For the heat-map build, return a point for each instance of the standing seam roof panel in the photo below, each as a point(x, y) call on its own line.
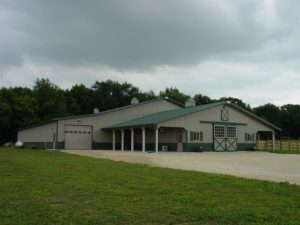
point(163, 116)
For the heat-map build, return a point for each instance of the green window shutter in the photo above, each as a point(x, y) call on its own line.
point(245, 137)
point(201, 135)
point(186, 136)
point(191, 136)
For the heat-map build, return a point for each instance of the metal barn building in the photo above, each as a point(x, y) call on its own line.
point(157, 125)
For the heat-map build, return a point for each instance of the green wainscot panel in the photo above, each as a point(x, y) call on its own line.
point(60, 145)
point(102, 146)
point(172, 147)
point(45, 145)
point(246, 146)
point(198, 147)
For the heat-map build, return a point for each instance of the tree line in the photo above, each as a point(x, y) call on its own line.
point(22, 106)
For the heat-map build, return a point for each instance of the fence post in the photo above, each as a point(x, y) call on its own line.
point(266, 146)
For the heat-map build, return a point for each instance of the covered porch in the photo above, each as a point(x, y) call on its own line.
point(266, 137)
point(147, 138)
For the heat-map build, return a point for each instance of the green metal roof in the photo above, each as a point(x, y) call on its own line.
point(120, 108)
point(101, 113)
point(162, 116)
point(156, 118)
point(37, 124)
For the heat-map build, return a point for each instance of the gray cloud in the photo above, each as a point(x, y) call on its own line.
point(129, 34)
point(219, 48)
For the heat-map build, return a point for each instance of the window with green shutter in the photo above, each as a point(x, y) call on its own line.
point(191, 136)
point(201, 135)
point(249, 137)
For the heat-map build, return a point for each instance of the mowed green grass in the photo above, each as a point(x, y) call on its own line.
point(46, 187)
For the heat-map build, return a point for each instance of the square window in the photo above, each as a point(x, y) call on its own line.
point(231, 132)
point(219, 131)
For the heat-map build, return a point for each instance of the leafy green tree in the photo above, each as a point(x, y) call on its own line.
point(145, 96)
point(111, 94)
point(50, 98)
point(80, 100)
point(25, 111)
point(290, 121)
point(5, 122)
point(273, 114)
point(269, 112)
point(175, 94)
point(202, 99)
point(237, 101)
point(19, 108)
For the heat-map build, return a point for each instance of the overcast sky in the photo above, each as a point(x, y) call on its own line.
point(249, 49)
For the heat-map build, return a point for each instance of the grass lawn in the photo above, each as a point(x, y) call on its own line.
point(44, 187)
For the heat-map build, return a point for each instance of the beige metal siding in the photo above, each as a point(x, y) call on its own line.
point(167, 135)
point(192, 123)
point(43, 133)
point(114, 117)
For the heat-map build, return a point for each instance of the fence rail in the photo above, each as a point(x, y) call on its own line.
point(283, 146)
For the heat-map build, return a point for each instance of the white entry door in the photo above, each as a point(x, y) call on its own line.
point(78, 137)
point(179, 140)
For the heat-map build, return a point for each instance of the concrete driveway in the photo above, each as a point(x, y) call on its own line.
point(257, 165)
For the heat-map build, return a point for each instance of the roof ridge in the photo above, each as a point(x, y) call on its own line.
point(188, 110)
point(119, 108)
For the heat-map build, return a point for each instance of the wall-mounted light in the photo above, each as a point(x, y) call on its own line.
point(78, 122)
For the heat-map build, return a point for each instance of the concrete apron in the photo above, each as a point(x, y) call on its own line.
point(254, 165)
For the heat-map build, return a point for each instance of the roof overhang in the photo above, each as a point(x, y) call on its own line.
point(118, 127)
point(38, 124)
point(253, 116)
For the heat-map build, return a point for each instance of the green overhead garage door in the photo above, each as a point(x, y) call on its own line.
point(78, 137)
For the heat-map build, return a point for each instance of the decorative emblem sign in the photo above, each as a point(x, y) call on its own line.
point(224, 115)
